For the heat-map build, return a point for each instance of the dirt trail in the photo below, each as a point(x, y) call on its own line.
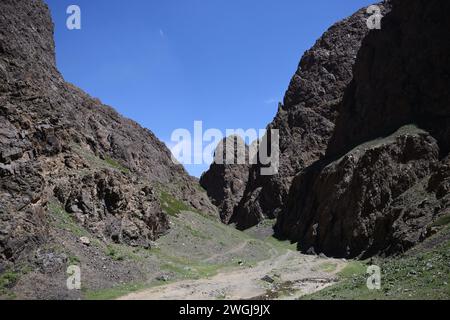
point(229, 252)
point(290, 275)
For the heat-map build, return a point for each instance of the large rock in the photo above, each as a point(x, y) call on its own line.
point(58, 143)
point(306, 118)
point(226, 179)
point(383, 198)
point(109, 205)
point(350, 206)
point(400, 77)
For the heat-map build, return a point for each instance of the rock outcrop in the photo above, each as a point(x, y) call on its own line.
point(365, 138)
point(305, 120)
point(61, 148)
point(384, 180)
point(226, 179)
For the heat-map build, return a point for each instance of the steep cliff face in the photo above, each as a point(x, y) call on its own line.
point(63, 150)
point(227, 177)
point(384, 180)
point(305, 120)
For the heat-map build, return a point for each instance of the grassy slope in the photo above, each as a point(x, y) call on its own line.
point(423, 273)
point(196, 247)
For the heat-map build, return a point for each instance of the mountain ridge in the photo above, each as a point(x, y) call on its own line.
point(364, 138)
point(59, 144)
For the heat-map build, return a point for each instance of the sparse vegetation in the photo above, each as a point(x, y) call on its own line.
point(64, 220)
point(280, 244)
point(116, 165)
point(7, 280)
point(425, 275)
point(113, 253)
point(97, 162)
point(182, 254)
point(171, 205)
point(119, 252)
point(442, 221)
point(73, 260)
point(115, 292)
point(328, 267)
point(353, 269)
point(199, 188)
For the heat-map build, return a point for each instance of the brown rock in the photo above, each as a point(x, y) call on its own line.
point(383, 200)
point(225, 182)
point(306, 118)
point(54, 137)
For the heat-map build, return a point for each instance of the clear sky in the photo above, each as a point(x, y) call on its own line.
point(168, 63)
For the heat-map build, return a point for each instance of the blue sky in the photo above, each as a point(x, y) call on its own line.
point(168, 63)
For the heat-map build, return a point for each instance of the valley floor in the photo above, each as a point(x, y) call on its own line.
point(203, 259)
point(287, 275)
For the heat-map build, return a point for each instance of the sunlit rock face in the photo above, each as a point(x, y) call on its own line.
point(63, 150)
point(384, 179)
point(305, 121)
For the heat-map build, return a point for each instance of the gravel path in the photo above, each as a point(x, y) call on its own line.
point(288, 275)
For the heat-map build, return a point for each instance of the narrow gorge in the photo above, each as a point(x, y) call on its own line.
point(364, 176)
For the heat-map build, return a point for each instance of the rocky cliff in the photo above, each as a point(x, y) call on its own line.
point(65, 153)
point(226, 179)
point(385, 177)
point(364, 132)
point(305, 120)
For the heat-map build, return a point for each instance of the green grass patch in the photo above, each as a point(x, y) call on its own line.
point(192, 271)
point(196, 233)
point(281, 245)
point(185, 267)
point(96, 162)
point(424, 276)
point(353, 269)
point(114, 253)
point(200, 188)
point(121, 252)
point(115, 292)
point(442, 221)
point(171, 205)
point(328, 267)
point(64, 220)
point(8, 279)
point(116, 165)
point(73, 260)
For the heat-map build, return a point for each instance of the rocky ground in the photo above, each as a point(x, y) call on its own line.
point(287, 276)
point(422, 273)
point(199, 254)
point(280, 273)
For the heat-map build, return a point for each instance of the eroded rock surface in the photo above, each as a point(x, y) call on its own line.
point(305, 120)
point(359, 203)
point(61, 148)
point(383, 199)
point(226, 179)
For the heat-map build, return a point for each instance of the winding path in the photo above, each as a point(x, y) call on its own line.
point(302, 273)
